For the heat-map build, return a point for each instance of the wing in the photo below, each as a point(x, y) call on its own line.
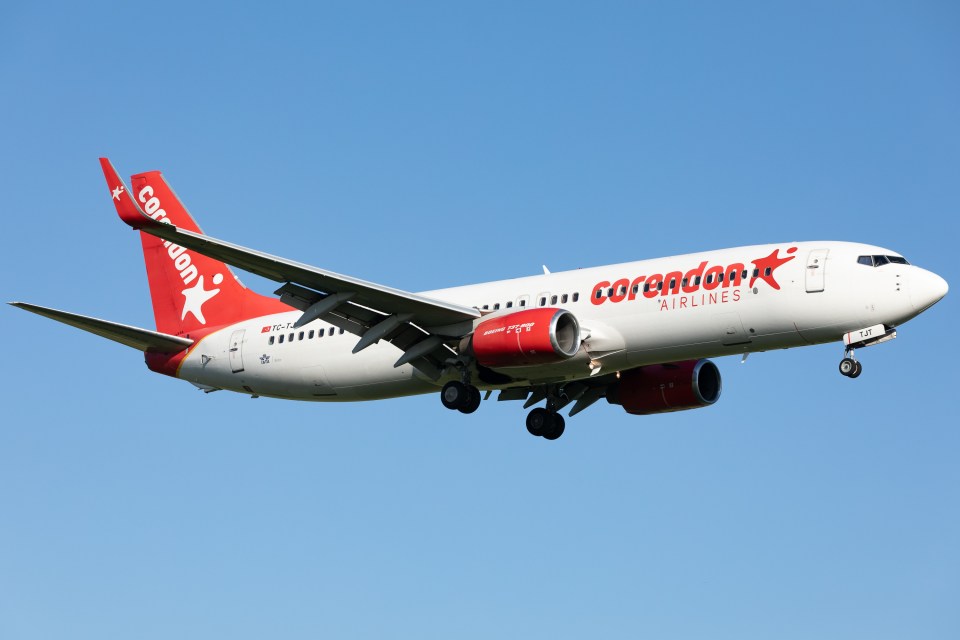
point(420, 326)
point(142, 339)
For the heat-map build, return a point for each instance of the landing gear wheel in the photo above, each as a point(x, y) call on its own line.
point(857, 370)
point(555, 430)
point(454, 395)
point(545, 423)
point(472, 402)
point(538, 421)
point(848, 366)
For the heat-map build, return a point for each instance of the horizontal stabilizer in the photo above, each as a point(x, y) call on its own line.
point(142, 339)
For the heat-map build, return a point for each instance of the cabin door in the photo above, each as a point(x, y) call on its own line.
point(816, 265)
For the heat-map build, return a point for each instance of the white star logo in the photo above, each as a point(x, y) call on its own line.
point(195, 297)
point(117, 192)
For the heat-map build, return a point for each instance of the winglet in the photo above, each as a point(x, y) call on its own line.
point(127, 207)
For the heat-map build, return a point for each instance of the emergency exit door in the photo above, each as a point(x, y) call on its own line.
point(236, 350)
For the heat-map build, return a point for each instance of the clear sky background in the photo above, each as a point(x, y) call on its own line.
point(435, 144)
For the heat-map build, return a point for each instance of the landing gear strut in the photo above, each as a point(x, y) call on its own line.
point(460, 396)
point(849, 366)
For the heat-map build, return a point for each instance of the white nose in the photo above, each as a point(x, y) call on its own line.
point(926, 289)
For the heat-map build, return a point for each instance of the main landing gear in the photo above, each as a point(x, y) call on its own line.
point(849, 366)
point(460, 396)
point(545, 423)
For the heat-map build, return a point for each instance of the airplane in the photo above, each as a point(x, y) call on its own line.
point(638, 334)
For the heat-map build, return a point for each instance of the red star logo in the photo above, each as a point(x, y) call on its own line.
point(771, 262)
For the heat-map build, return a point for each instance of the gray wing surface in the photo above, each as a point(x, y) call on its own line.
point(423, 328)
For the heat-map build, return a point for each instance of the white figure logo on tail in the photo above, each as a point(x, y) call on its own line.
point(196, 295)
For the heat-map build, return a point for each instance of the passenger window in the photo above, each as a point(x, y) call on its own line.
point(683, 282)
point(563, 299)
point(576, 296)
point(710, 279)
point(320, 333)
point(553, 299)
point(281, 339)
point(744, 276)
point(659, 286)
point(485, 307)
point(543, 302)
point(300, 336)
point(341, 331)
point(696, 281)
point(673, 283)
point(310, 335)
point(510, 305)
point(290, 338)
point(646, 287)
point(523, 302)
point(272, 340)
point(767, 271)
point(599, 294)
point(496, 306)
point(756, 273)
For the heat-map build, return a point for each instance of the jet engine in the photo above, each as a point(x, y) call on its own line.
point(660, 388)
point(524, 338)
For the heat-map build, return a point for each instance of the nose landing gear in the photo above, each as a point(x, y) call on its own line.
point(849, 366)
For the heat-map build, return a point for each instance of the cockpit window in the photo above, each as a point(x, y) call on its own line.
point(879, 261)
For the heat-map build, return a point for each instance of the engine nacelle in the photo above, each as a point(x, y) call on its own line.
point(659, 388)
point(525, 338)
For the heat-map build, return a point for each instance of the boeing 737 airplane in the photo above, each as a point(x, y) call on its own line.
point(637, 334)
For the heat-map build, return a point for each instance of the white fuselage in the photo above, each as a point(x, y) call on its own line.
point(823, 293)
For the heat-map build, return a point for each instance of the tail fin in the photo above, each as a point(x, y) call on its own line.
point(189, 291)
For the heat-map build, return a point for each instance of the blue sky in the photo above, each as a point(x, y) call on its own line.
point(431, 145)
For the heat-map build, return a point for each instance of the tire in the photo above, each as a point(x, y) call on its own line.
point(473, 400)
point(538, 421)
point(848, 366)
point(857, 370)
point(556, 427)
point(454, 395)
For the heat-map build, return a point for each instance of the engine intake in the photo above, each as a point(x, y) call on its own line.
point(525, 338)
point(660, 388)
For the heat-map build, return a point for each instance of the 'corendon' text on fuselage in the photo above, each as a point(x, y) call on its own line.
point(684, 285)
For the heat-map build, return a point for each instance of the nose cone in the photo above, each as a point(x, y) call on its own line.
point(926, 289)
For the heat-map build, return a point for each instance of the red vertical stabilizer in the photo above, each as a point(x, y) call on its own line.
point(190, 291)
